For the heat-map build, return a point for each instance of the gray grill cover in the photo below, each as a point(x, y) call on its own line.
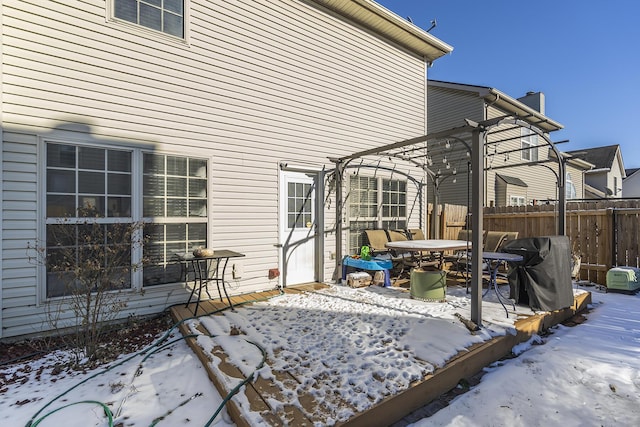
point(543, 278)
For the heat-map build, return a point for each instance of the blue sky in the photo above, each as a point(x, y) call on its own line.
point(584, 55)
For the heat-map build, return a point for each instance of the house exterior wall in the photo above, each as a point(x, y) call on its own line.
point(448, 108)
point(631, 185)
point(614, 180)
point(602, 180)
point(253, 84)
point(608, 180)
point(577, 177)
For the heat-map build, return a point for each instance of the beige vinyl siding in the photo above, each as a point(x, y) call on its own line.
point(19, 229)
point(447, 109)
point(577, 178)
point(545, 181)
point(255, 82)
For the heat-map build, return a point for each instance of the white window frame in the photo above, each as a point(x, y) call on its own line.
point(529, 144)
point(516, 200)
point(379, 220)
point(136, 202)
point(111, 7)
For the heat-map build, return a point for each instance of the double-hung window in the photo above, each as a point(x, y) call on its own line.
point(166, 16)
point(375, 203)
point(174, 211)
point(99, 191)
point(529, 144)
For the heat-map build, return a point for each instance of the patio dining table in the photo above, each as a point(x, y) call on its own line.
point(430, 245)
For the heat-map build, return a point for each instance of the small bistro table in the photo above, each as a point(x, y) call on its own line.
point(493, 260)
point(207, 269)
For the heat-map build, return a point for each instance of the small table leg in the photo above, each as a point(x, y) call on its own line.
point(224, 286)
point(494, 282)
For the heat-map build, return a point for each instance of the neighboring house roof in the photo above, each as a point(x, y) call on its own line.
point(601, 157)
point(504, 102)
point(512, 180)
point(576, 162)
point(382, 21)
point(631, 171)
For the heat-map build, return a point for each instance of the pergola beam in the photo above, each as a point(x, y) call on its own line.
point(385, 148)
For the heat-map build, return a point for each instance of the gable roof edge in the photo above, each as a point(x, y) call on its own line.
point(381, 20)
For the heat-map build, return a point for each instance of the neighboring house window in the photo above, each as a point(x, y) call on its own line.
point(615, 185)
point(375, 203)
point(529, 145)
point(166, 16)
point(517, 201)
point(570, 189)
point(92, 185)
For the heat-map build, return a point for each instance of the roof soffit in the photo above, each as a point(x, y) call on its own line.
point(386, 23)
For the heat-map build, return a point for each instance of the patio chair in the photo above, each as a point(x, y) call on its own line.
point(376, 239)
point(458, 259)
point(493, 240)
point(402, 260)
point(416, 234)
point(509, 236)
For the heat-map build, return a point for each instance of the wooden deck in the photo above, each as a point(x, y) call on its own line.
point(390, 410)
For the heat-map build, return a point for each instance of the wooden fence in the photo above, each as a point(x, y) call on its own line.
point(604, 233)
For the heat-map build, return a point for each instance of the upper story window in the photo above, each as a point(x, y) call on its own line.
point(571, 192)
point(166, 16)
point(529, 144)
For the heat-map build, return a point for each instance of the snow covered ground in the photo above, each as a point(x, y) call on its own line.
point(362, 344)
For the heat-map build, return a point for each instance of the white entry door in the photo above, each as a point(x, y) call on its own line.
point(298, 228)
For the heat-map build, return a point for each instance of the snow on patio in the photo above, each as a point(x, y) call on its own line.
point(347, 348)
point(342, 344)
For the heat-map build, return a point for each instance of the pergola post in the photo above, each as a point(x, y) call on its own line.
point(477, 205)
point(562, 193)
point(338, 178)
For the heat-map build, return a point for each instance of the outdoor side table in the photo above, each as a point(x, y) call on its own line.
point(208, 269)
point(493, 260)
